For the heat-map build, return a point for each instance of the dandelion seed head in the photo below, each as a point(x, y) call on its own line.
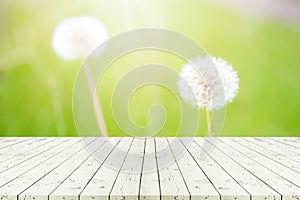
point(208, 82)
point(77, 37)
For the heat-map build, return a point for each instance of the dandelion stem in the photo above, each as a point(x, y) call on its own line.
point(208, 122)
point(97, 105)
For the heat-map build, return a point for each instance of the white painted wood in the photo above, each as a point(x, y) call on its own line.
point(290, 140)
point(293, 142)
point(41, 189)
point(7, 142)
point(285, 151)
point(282, 159)
point(272, 165)
point(149, 186)
point(27, 155)
point(227, 187)
point(14, 142)
point(8, 138)
point(198, 184)
point(62, 169)
point(291, 153)
point(128, 180)
point(23, 167)
point(22, 182)
point(288, 190)
point(21, 148)
point(257, 188)
point(172, 184)
point(88, 173)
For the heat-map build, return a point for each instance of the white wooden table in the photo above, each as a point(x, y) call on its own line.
point(63, 169)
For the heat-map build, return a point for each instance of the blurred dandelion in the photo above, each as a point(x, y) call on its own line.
point(76, 37)
point(208, 82)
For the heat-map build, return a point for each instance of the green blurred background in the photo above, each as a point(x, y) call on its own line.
point(36, 85)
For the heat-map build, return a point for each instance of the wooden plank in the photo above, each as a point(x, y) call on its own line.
point(11, 190)
point(290, 140)
point(46, 185)
point(149, 186)
point(128, 180)
point(17, 170)
point(281, 170)
point(293, 142)
point(251, 183)
point(280, 150)
point(17, 143)
point(276, 147)
point(149, 169)
point(21, 148)
point(227, 187)
point(7, 142)
point(102, 181)
point(8, 138)
point(197, 182)
point(288, 190)
point(172, 184)
point(27, 155)
point(272, 155)
point(83, 177)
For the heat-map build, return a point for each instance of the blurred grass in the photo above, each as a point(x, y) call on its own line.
point(36, 85)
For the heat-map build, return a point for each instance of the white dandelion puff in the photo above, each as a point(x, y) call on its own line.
point(208, 82)
point(77, 37)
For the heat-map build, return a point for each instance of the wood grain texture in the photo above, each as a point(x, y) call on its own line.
point(149, 169)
